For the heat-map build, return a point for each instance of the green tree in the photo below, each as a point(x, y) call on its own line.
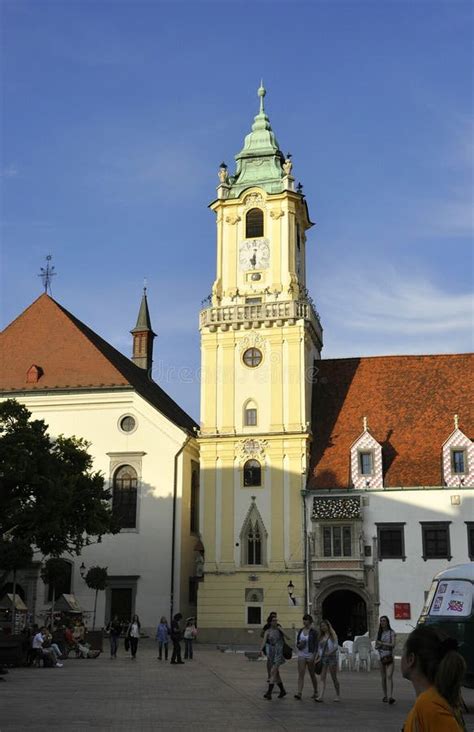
point(15, 554)
point(50, 497)
point(53, 572)
point(96, 579)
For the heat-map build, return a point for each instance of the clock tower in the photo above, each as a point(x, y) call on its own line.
point(260, 338)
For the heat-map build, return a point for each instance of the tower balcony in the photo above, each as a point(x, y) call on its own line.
point(264, 314)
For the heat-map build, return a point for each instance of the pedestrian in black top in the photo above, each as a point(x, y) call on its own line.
point(176, 638)
point(115, 630)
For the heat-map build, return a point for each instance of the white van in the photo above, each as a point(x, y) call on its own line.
point(449, 606)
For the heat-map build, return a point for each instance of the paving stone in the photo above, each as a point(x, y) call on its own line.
point(215, 691)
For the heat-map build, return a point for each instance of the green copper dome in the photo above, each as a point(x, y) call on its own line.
point(260, 161)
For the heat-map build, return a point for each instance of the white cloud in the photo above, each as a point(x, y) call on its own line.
point(9, 171)
point(370, 313)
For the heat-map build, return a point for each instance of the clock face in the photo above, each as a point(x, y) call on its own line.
point(254, 254)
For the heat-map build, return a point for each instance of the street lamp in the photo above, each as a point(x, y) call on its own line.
point(290, 589)
point(83, 570)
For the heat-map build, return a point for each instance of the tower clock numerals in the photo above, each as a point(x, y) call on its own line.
point(254, 254)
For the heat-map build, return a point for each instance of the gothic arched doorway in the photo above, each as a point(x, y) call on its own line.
point(347, 612)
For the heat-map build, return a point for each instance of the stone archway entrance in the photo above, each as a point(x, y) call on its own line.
point(346, 610)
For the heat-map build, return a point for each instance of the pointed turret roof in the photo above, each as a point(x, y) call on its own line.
point(260, 161)
point(143, 320)
point(69, 356)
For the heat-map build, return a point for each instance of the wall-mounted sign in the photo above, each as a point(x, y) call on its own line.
point(402, 611)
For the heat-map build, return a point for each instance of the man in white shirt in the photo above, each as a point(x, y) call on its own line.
point(37, 645)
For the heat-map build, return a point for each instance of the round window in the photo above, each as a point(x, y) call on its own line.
point(252, 357)
point(127, 424)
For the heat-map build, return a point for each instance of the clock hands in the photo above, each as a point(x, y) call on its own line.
point(253, 259)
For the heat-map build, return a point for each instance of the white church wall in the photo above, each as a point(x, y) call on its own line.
point(144, 552)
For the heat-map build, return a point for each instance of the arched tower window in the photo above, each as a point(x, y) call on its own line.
point(252, 474)
point(250, 414)
point(254, 223)
point(253, 538)
point(124, 501)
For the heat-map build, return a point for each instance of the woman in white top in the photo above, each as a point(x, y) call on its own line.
point(133, 635)
point(327, 654)
point(385, 644)
point(307, 645)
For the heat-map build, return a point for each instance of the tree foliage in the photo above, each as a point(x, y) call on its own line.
point(50, 497)
point(96, 578)
point(54, 571)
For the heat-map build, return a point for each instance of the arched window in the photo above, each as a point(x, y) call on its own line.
point(252, 473)
point(250, 414)
point(124, 501)
point(253, 538)
point(254, 223)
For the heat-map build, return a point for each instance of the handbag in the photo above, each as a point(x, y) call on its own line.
point(386, 660)
point(287, 651)
point(127, 643)
point(318, 667)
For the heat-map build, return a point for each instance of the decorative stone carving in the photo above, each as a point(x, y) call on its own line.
point(253, 341)
point(232, 219)
point(276, 213)
point(253, 199)
point(287, 166)
point(251, 448)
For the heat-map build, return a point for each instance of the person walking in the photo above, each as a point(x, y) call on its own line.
point(307, 645)
point(163, 638)
point(115, 629)
point(273, 642)
point(176, 638)
point(133, 635)
point(190, 634)
point(262, 634)
point(385, 645)
point(327, 655)
point(436, 670)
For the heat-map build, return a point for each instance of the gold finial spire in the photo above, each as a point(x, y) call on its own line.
point(456, 421)
point(364, 422)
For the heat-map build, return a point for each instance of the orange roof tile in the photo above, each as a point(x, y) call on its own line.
point(409, 402)
point(69, 355)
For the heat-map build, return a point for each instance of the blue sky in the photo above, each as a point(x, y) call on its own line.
point(116, 115)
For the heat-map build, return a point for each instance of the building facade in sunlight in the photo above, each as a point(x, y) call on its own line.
point(341, 486)
point(260, 340)
point(142, 442)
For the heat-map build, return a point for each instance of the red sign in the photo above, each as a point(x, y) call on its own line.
point(402, 611)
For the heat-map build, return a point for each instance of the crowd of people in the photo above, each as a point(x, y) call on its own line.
point(430, 661)
point(166, 634)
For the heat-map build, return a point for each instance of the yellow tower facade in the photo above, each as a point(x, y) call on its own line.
point(260, 339)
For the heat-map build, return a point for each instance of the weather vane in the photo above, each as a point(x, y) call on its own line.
point(46, 274)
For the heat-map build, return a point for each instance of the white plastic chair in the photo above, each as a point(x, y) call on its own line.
point(362, 649)
point(348, 647)
point(343, 659)
point(374, 656)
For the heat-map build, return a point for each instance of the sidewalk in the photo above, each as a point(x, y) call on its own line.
point(216, 691)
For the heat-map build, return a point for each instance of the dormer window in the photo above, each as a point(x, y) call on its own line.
point(458, 458)
point(458, 461)
point(366, 462)
point(254, 223)
point(34, 374)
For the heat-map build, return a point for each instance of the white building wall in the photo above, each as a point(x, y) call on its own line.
point(407, 581)
point(146, 550)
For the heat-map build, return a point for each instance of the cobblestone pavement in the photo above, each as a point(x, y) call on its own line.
point(216, 691)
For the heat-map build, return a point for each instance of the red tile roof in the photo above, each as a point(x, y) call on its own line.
point(69, 355)
point(409, 402)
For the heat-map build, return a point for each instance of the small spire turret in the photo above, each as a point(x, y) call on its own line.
point(143, 337)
